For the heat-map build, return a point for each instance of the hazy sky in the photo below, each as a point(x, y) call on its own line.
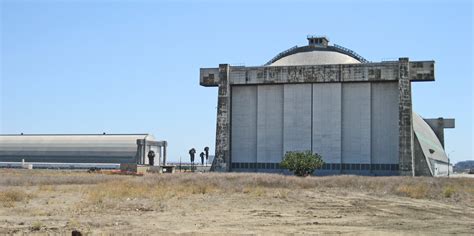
point(133, 66)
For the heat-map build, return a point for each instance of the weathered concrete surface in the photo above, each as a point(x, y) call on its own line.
point(270, 124)
point(422, 168)
point(222, 156)
point(297, 117)
point(405, 119)
point(244, 124)
point(384, 71)
point(271, 129)
point(384, 126)
point(327, 121)
point(438, 125)
point(421, 70)
point(209, 77)
point(356, 122)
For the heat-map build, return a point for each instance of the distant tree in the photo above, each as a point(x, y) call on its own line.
point(206, 150)
point(302, 163)
point(192, 151)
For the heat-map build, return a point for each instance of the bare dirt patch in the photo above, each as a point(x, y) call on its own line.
point(40, 201)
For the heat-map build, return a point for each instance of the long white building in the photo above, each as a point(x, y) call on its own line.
point(81, 148)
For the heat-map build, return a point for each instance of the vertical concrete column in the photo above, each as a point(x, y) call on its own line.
point(438, 125)
point(165, 144)
point(405, 151)
point(222, 157)
point(439, 130)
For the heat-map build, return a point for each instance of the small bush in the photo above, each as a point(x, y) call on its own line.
point(36, 226)
point(302, 163)
point(448, 191)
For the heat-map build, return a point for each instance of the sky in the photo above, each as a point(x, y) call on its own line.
point(133, 66)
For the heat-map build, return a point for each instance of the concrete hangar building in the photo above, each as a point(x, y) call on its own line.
point(328, 99)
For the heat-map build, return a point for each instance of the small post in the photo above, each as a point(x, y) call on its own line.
point(448, 167)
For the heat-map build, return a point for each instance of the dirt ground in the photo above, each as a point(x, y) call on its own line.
point(58, 202)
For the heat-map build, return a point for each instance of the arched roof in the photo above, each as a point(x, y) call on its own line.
point(429, 142)
point(70, 144)
point(316, 55)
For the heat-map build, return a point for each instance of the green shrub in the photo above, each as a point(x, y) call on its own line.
point(302, 163)
point(448, 191)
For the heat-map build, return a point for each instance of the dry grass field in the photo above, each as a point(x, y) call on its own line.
point(58, 202)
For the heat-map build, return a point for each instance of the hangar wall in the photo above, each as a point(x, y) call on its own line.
point(384, 129)
point(244, 124)
point(297, 118)
point(354, 126)
point(356, 123)
point(269, 123)
point(327, 120)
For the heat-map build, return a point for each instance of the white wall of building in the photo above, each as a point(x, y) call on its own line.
point(297, 117)
point(354, 123)
point(270, 123)
point(384, 128)
point(244, 124)
point(327, 121)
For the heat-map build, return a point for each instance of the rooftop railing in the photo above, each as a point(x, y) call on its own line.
point(347, 50)
point(280, 55)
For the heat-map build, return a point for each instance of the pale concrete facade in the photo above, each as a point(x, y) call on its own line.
point(345, 123)
point(327, 121)
point(297, 117)
point(358, 116)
